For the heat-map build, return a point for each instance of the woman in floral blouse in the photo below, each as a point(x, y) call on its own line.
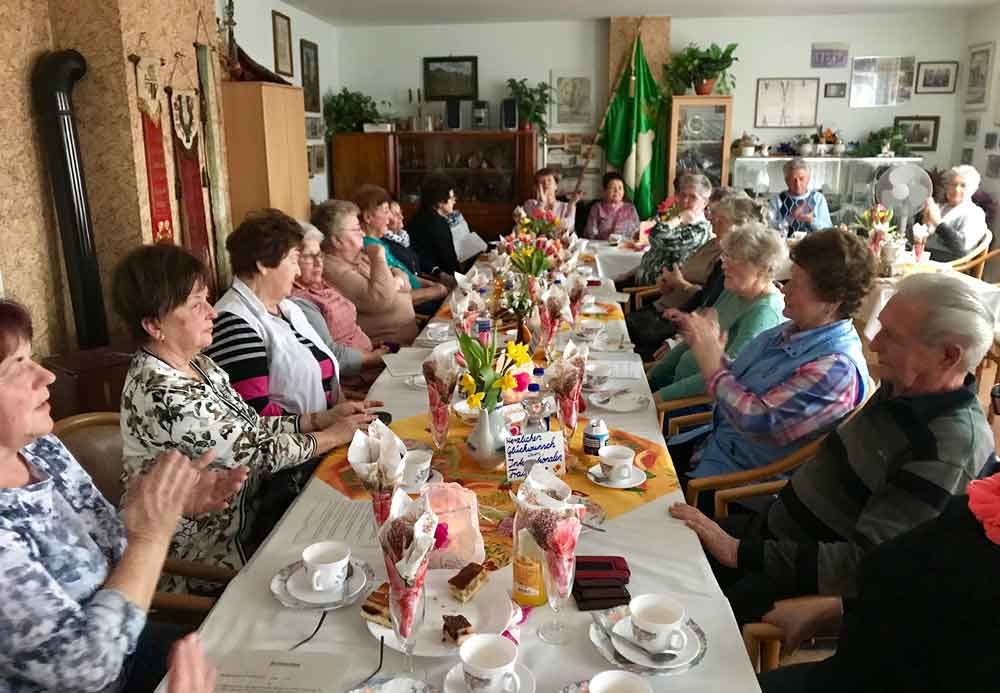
point(76, 577)
point(176, 398)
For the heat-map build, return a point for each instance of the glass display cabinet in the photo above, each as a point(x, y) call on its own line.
point(700, 137)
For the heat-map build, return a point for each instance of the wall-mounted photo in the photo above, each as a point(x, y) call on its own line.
point(451, 78)
point(786, 103)
point(835, 90)
point(971, 129)
point(573, 102)
point(316, 157)
point(309, 62)
point(939, 77)
point(882, 80)
point(281, 32)
point(315, 129)
point(829, 55)
point(968, 155)
point(993, 166)
point(977, 85)
point(991, 140)
point(920, 132)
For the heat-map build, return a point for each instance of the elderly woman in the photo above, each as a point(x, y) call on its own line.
point(672, 241)
point(333, 317)
point(699, 281)
point(750, 304)
point(794, 382)
point(430, 233)
point(360, 273)
point(546, 186)
point(960, 225)
point(262, 340)
point(77, 577)
point(375, 218)
point(395, 233)
point(799, 209)
point(177, 398)
point(613, 214)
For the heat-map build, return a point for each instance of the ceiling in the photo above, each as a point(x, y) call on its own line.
point(470, 11)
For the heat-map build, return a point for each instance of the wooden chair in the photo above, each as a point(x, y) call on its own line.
point(672, 405)
point(632, 291)
point(974, 262)
point(95, 440)
point(640, 296)
point(992, 358)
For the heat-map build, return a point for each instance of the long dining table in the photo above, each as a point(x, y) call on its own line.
point(662, 553)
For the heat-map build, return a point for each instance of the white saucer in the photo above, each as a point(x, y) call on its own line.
point(637, 656)
point(301, 590)
point(432, 478)
point(637, 479)
point(454, 682)
point(363, 573)
point(593, 309)
point(625, 402)
point(416, 382)
point(394, 684)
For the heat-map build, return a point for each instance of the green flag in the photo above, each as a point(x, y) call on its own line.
point(634, 135)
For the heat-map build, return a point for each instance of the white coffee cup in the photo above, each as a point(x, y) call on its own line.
point(588, 300)
point(416, 467)
point(589, 329)
point(657, 621)
point(595, 374)
point(326, 564)
point(438, 331)
point(616, 681)
point(616, 462)
point(488, 663)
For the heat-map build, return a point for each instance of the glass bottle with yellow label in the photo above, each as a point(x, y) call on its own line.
point(528, 560)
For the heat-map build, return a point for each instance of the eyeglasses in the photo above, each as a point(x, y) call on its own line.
point(311, 257)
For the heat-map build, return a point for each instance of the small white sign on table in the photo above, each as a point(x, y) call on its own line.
point(546, 449)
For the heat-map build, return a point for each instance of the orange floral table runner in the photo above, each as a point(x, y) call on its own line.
point(496, 509)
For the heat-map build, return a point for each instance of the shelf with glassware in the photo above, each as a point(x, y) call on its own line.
point(700, 137)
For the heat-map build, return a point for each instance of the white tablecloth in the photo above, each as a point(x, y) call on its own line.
point(615, 261)
point(662, 553)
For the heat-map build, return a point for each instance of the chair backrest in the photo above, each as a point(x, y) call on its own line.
point(974, 261)
point(991, 467)
point(95, 439)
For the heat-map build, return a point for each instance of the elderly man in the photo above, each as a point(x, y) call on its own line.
point(916, 443)
point(799, 208)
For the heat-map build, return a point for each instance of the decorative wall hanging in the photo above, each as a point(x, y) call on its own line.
point(786, 103)
point(919, 132)
point(309, 64)
point(971, 129)
point(968, 155)
point(882, 81)
point(314, 127)
point(991, 140)
point(938, 77)
point(993, 166)
point(281, 31)
point(977, 85)
point(829, 55)
point(451, 78)
point(147, 81)
point(217, 198)
point(835, 90)
point(573, 102)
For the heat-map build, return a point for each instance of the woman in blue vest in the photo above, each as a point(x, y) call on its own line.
point(793, 382)
point(799, 208)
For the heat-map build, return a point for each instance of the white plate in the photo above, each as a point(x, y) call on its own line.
point(637, 656)
point(432, 478)
point(416, 382)
point(454, 682)
point(612, 342)
point(363, 575)
point(396, 685)
point(608, 618)
point(490, 611)
point(593, 309)
point(625, 402)
point(637, 479)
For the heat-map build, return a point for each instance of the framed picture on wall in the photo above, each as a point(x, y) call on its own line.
point(881, 81)
point(968, 155)
point(314, 127)
point(977, 82)
point(991, 140)
point(309, 64)
point(835, 90)
point(281, 31)
point(920, 132)
point(971, 129)
point(573, 101)
point(993, 166)
point(786, 103)
point(451, 78)
point(939, 77)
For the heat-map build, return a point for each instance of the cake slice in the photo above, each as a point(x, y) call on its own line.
point(456, 629)
point(376, 607)
point(467, 582)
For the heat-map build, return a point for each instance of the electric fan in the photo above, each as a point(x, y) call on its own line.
point(904, 189)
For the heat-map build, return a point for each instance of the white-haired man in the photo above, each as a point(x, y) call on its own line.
point(959, 225)
point(919, 440)
point(800, 208)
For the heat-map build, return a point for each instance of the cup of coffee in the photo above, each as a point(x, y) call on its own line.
point(616, 462)
point(416, 467)
point(595, 375)
point(617, 681)
point(614, 239)
point(326, 564)
point(488, 663)
point(657, 621)
point(588, 300)
point(589, 329)
point(438, 331)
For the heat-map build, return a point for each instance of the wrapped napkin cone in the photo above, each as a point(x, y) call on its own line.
point(376, 456)
point(407, 538)
point(441, 372)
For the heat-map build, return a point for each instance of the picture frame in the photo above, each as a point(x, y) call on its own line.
point(968, 155)
point(920, 132)
point(316, 159)
point(937, 77)
point(978, 76)
point(991, 140)
point(835, 90)
point(315, 128)
point(309, 64)
point(786, 102)
point(451, 77)
point(993, 166)
point(572, 106)
point(829, 55)
point(971, 129)
point(878, 81)
point(281, 34)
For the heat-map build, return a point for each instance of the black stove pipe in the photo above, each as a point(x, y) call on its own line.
point(53, 79)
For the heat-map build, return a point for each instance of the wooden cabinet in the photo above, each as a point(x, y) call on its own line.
point(700, 136)
point(493, 171)
point(266, 148)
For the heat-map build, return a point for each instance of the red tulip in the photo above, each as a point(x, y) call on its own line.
point(523, 380)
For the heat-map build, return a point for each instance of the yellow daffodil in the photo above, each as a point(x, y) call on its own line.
point(507, 382)
point(468, 384)
point(475, 400)
point(518, 353)
point(528, 251)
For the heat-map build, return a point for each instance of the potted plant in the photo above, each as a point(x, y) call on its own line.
point(532, 103)
point(804, 144)
point(712, 69)
point(876, 140)
point(677, 74)
point(348, 111)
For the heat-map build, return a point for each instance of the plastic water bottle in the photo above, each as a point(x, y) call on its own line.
point(538, 375)
point(535, 410)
